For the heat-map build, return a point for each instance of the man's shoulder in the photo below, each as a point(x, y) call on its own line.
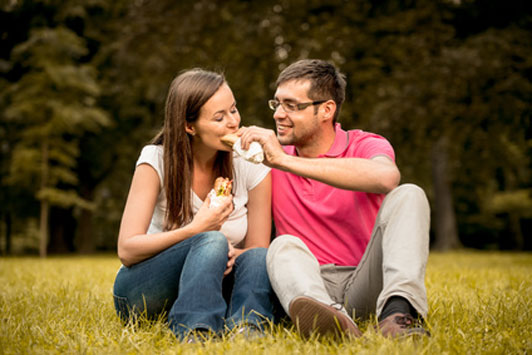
point(361, 134)
point(360, 138)
point(366, 145)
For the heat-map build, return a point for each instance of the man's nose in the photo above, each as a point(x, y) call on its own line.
point(279, 113)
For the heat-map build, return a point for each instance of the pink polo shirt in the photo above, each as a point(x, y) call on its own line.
point(335, 224)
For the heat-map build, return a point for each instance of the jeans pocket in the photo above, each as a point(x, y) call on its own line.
point(122, 307)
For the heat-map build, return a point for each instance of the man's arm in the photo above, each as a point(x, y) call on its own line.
point(376, 175)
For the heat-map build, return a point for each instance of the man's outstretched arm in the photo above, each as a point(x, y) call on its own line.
point(376, 175)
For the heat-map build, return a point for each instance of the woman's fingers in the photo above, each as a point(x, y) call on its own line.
point(226, 208)
point(232, 257)
point(231, 252)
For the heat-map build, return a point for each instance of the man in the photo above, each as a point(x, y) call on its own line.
point(350, 241)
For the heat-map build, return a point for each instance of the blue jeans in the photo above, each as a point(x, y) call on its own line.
point(185, 281)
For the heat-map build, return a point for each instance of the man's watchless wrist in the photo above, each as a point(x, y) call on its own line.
point(282, 162)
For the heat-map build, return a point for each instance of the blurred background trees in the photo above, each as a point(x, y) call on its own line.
point(84, 82)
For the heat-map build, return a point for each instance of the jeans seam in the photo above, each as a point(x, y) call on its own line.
point(122, 306)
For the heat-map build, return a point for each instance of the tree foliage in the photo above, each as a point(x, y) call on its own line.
point(447, 82)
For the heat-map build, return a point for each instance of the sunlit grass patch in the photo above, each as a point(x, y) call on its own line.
point(479, 303)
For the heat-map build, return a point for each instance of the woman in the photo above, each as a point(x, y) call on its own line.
point(174, 248)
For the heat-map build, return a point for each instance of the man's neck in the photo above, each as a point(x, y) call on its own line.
point(320, 144)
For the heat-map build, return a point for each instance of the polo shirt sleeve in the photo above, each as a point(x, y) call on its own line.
point(373, 145)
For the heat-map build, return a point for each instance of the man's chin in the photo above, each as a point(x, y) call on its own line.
point(284, 140)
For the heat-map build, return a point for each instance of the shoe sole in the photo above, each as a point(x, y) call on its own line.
point(313, 317)
point(415, 332)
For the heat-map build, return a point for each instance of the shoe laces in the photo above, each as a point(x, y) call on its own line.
point(405, 320)
point(337, 306)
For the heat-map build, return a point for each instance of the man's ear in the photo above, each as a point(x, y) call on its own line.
point(189, 128)
point(328, 109)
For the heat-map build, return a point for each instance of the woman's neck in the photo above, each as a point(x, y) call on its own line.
point(203, 175)
point(204, 158)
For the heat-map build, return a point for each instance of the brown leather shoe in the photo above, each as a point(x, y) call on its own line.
point(311, 316)
point(401, 324)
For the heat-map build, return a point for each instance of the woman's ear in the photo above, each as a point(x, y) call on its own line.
point(189, 128)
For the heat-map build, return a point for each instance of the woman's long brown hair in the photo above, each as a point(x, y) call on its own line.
point(188, 92)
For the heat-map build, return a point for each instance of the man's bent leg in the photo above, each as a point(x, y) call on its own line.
point(294, 271)
point(395, 260)
point(295, 277)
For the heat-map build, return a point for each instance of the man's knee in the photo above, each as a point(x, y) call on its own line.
point(281, 243)
point(409, 189)
point(410, 192)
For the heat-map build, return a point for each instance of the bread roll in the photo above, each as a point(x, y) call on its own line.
point(229, 139)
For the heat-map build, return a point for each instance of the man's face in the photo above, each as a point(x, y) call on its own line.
point(299, 127)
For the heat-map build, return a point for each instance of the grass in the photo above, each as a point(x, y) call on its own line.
point(479, 303)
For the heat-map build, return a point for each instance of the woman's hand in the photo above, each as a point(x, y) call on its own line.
point(231, 255)
point(211, 219)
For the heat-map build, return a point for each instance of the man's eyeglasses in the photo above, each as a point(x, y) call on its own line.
point(292, 107)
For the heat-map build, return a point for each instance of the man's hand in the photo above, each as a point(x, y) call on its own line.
point(377, 175)
point(273, 152)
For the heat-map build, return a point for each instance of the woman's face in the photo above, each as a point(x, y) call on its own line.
point(218, 117)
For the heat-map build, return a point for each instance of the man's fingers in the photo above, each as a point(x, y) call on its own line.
point(250, 134)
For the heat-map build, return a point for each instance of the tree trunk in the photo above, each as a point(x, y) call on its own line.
point(446, 235)
point(62, 230)
point(8, 224)
point(84, 241)
point(43, 228)
point(517, 233)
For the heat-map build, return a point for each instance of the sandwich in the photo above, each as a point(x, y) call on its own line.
point(223, 186)
point(254, 154)
point(229, 139)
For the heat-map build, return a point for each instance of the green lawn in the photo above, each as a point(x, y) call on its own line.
point(479, 302)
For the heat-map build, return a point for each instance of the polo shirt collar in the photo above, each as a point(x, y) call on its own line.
point(340, 144)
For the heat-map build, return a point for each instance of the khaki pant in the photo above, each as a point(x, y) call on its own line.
point(393, 263)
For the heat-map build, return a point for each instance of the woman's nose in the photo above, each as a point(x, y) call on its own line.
point(234, 120)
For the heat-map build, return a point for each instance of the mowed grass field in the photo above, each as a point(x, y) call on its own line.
point(480, 302)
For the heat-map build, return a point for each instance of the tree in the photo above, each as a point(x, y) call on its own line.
point(447, 82)
point(54, 103)
point(458, 105)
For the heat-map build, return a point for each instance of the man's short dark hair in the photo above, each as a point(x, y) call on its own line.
point(326, 82)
